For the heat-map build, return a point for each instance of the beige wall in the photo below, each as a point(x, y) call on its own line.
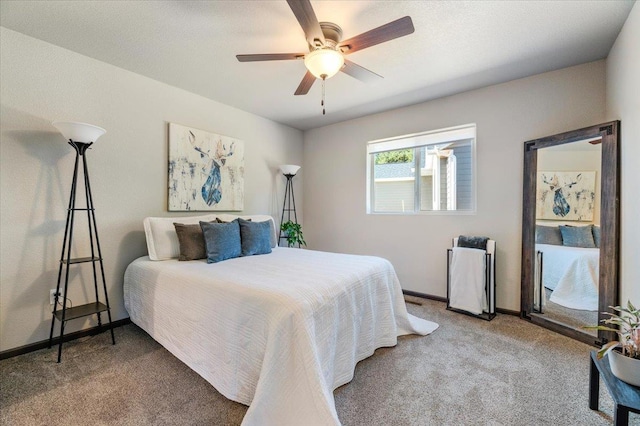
point(506, 115)
point(623, 103)
point(41, 83)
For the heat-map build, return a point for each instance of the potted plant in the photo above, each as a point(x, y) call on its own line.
point(293, 233)
point(625, 364)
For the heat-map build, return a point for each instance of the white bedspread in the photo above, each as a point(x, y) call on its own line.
point(572, 273)
point(277, 332)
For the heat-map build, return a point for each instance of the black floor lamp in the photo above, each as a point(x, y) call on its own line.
point(289, 204)
point(80, 136)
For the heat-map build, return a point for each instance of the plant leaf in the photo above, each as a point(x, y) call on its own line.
point(599, 327)
point(607, 348)
point(630, 305)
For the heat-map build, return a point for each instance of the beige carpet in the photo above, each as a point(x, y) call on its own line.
point(468, 372)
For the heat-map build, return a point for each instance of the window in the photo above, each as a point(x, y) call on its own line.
point(426, 172)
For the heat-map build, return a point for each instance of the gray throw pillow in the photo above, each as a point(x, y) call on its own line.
point(596, 236)
point(218, 220)
point(473, 242)
point(222, 240)
point(577, 236)
point(548, 235)
point(255, 237)
point(191, 240)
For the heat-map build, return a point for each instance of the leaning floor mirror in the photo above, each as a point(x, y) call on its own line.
point(570, 230)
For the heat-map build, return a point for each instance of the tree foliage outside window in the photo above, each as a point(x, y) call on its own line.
point(398, 156)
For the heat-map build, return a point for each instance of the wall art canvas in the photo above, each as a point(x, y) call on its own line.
point(566, 196)
point(206, 170)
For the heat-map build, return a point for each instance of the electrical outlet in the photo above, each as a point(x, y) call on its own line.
point(52, 296)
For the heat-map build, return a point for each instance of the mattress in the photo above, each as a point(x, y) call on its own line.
point(277, 332)
point(572, 273)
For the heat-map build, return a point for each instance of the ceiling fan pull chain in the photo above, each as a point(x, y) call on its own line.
point(324, 78)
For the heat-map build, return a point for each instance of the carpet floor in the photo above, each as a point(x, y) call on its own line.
point(468, 372)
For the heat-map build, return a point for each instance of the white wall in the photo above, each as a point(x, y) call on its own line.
point(623, 103)
point(506, 116)
point(41, 83)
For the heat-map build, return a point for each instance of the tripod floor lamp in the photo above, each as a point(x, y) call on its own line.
point(80, 136)
point(289, 204)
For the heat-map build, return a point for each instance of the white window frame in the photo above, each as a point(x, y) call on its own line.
point(417, 140)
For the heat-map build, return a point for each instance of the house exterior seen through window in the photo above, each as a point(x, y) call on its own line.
point(421, 173)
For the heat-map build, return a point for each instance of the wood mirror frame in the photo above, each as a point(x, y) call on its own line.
point(609, 225)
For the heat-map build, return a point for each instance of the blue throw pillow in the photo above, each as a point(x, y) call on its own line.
point(222, 240)
point(596, 236)
point(548, 235)
point(577, 236)
point(255, 237)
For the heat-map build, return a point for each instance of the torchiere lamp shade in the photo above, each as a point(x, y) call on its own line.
point(289, 169)
point(79, 132)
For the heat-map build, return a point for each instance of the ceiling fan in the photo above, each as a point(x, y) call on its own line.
point(327, 50)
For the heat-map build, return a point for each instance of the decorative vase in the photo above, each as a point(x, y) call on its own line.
point(625, 368)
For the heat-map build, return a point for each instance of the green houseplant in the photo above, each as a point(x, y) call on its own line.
point(625, 364)
point(293, 233)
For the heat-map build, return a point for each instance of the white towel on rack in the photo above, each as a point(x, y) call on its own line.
point(467, 286)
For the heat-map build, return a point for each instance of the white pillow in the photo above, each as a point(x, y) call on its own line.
point(162, 240)
point(256, 218)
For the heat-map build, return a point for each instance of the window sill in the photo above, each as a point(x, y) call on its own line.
point(427, 213)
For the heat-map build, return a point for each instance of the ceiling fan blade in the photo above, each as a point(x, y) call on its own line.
point(305, 84)
point(398, 28)
point(269, 57)
point(358, 72)
point(305, 15)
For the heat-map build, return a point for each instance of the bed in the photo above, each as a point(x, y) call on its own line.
point(277, 332)
point(572, 275)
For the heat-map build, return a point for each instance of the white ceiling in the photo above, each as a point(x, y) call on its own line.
point(457, 46)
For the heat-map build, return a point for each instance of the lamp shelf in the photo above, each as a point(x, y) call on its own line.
point(80, 311)
point(80, 260)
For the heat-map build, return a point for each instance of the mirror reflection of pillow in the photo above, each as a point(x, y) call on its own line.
point(596, 235)
point(577, 236)
point(548, 235)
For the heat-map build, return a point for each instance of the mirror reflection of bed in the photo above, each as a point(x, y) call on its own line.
point(568, 232)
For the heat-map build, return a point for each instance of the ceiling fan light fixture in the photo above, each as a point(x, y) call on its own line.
point(324, 63)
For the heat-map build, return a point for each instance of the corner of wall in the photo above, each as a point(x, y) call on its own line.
point(623, 103)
